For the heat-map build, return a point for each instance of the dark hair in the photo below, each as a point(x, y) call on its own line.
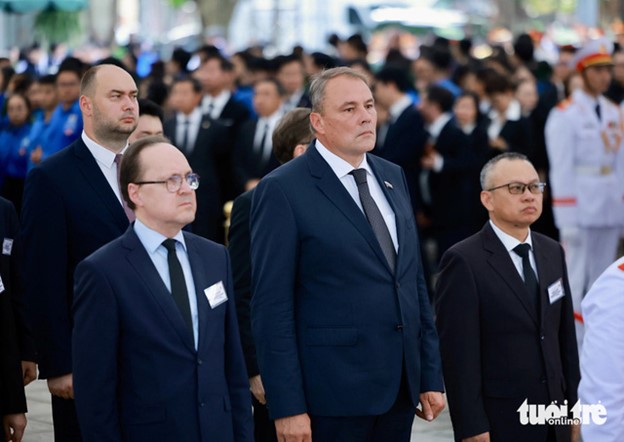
point(148, 107)
point(7, 74)
point(441, 58)
point(72, 64)
point(523, 48)
point(130, 168)
point(498, 84)
point(278, 85)
point(395, 75)
point(47, 79)
point(225, 64)
point(21, 83)
point(197, 87)
point(292, 129)
point(181, 58)
point(440, 96)
point(323, 61)
point(283, 60)
point(361, 62)
point(26, 101)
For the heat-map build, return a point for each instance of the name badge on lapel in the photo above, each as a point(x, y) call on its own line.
point(7, 246)
point(555, 291)
point(1, 286)
point(216, 294)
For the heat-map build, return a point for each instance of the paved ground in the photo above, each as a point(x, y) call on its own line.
point(39, 427)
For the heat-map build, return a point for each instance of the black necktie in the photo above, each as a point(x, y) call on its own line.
point(265, 133)
point(374, 217)
point(178, 283)
point(185, 137)
point(598, 110)
point(530, 280)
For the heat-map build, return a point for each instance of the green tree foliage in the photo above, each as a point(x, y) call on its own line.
point(54, 26)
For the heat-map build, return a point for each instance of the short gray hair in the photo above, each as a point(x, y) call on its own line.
point(484, 177)
point(319, 83)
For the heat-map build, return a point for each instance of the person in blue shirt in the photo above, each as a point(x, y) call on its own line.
point(48, 100)
point(66, 120)
point(13, 148)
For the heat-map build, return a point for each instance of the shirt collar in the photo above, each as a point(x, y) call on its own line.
point(151, 239)
point(509, 241)
point(399, 106)
point(194, 117)
point(340, 167)
point(221, 99)
point(271, 119)
point(513, 113)
point(101, 154)
point(436, 127)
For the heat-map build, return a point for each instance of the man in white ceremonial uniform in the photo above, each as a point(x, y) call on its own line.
point(602, 358)
point(583, 140)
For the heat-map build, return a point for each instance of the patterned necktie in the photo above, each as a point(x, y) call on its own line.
point(374, 217)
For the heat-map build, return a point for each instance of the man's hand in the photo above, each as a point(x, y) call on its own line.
point(576, 433)
point(62, 386)
point(432, 403)
point(13, 426)
point(483, 437)
point(251, 184)
point(29, 372)
point(499, 143)
point(294, 428)
point(257, 389)
point(35, 155)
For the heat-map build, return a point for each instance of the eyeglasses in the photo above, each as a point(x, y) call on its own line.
point(174, 182)
point(519, 188)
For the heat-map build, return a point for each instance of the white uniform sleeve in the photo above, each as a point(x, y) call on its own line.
point(602, 357)
point(560, 143)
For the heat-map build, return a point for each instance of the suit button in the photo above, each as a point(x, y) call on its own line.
point(399, 327)
point(543, 380)
point(398, 285)
point(201, 404)
point(542, 337)
point(199, 362)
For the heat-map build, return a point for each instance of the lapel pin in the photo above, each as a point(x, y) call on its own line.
point(388, 185)
point(206, 124)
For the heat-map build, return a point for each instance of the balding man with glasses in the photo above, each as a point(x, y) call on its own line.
point(504, 316)
point(156, 348)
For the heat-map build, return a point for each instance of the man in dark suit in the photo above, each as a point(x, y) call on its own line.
point(402, 138)
point(449, 158)
point(253, 154)
point(72, 206)
point(12, 398)
point(204, 143)
point(344, 334)
point(218, 103)
point(291, 74)
point(504, 315)
point(290, 140)
point(175, 371)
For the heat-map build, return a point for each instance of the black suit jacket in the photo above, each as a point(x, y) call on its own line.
point(69, 211)
point(248, 163)
point(496, 350)
point(207, 158)
point(239, 243)
point(404, 146)
point(518, 134)
point(451, 187)
point(12, 398)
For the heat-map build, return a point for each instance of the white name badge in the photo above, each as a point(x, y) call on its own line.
point(216, 294)
point(555, 291)
point(1, 285)
point(7, 246)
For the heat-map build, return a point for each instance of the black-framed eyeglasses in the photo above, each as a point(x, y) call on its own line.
point(174, 182)
point(519, 188)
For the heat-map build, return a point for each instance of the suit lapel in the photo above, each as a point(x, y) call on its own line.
point(541, 262)
point(87, 165)
point(502, 264)
point(139, 259)
point(329, 184)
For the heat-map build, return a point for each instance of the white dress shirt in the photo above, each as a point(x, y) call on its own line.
point(399, 107)
point(510, 242)
point(218, 103)
point(342, 168)
point(105, 160)
point(152, 241)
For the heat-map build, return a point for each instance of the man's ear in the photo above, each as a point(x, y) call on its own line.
point(86, 105)
point(135, 195)
point(299, 150)
point(316, 120)
point(486, 200)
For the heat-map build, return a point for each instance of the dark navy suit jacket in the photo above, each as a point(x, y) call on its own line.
point(69, 211)
point(334, 325)
point(137, 375)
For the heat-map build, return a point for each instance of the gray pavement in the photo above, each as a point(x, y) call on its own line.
point(39, 427)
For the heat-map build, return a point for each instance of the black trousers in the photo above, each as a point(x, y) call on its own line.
point(66, 427)
point(264, 427)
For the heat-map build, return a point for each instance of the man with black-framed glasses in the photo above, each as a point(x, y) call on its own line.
point(156, 348)
point(504, 316)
